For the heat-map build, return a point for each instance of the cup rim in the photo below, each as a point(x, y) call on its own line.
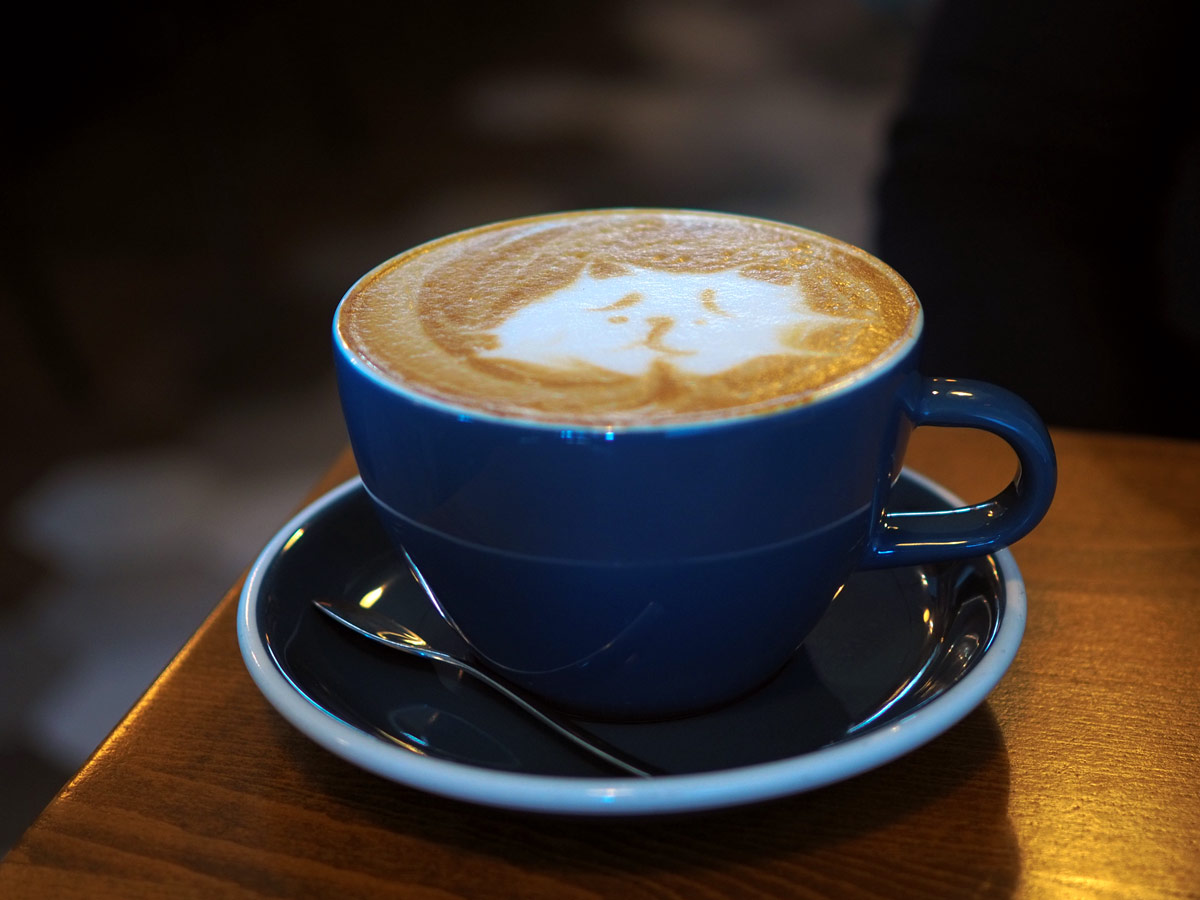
point(875, 369)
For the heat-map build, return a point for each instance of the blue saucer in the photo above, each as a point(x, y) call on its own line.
point(902, 655)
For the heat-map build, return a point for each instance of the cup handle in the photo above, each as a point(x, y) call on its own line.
point(907, 538)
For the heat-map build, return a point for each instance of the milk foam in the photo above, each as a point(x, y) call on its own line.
point(701, 323)
point(619, 318)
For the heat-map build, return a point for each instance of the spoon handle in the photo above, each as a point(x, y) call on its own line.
point(586, 741)
point(567, 730)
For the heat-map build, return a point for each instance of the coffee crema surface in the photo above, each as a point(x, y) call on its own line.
point(628, 317)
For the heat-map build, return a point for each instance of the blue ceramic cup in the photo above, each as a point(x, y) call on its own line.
point(644, 569)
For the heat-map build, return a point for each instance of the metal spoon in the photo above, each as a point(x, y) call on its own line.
point(399, 616)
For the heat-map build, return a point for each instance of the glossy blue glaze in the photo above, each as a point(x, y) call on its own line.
point(598, 568)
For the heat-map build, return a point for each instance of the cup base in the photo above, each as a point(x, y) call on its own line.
point(635, 642)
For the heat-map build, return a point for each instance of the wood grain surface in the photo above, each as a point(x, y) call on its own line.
point(1079, 777)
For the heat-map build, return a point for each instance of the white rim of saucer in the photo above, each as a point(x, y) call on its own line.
point(626, 795)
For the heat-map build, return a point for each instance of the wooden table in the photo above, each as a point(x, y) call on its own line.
point(1079, 777)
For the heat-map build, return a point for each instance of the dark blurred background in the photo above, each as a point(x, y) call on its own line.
point(187, 192)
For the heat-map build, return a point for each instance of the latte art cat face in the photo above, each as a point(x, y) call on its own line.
point(623, 318)
point(702, 324)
